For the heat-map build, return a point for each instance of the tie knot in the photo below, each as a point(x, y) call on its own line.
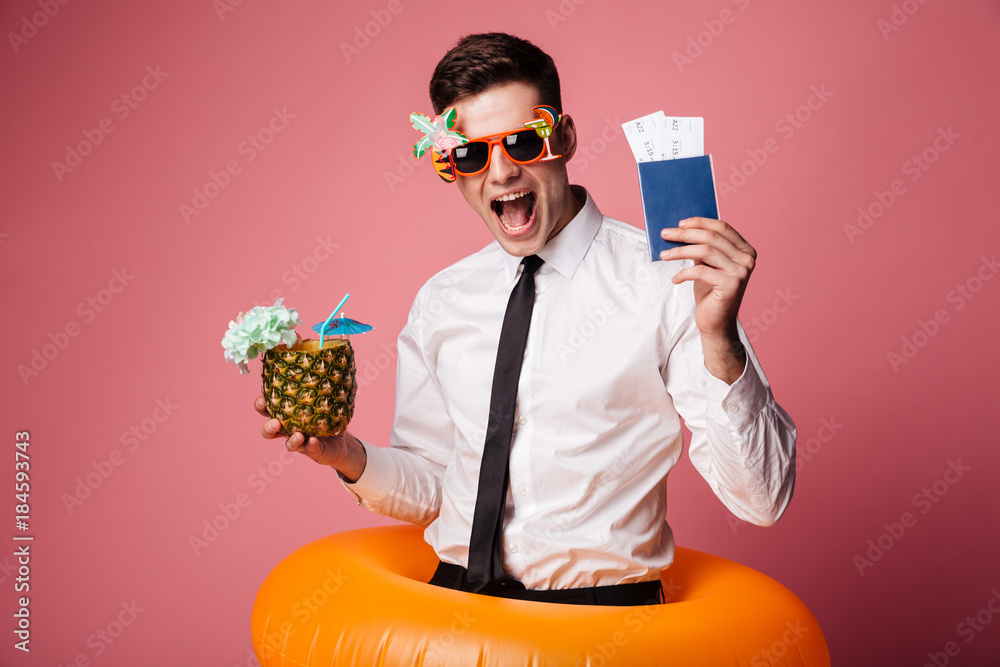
point(532, 263)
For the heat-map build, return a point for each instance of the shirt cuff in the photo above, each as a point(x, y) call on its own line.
point(377, 476)
point(737, 404)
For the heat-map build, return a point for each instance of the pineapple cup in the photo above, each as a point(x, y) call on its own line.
point(309, 389)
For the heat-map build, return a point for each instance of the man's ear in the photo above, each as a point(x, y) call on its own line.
point(567, 137)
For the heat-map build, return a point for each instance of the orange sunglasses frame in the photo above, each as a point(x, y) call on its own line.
point(493, 139)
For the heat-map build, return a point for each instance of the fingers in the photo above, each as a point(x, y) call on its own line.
point(711, 255)
point(297, 443)
point(260, 405)
point(721, 281)
point(723, 228)
point(717, 235)
point(319, 450)
point(271, 429)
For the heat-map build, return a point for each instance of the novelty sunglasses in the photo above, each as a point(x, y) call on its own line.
point(454, 154)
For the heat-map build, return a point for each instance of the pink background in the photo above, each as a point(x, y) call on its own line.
point(314, 215)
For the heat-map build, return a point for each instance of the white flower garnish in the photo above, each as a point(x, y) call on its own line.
point(259, 330)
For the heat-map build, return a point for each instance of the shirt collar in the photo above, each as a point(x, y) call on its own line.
point(565, 251)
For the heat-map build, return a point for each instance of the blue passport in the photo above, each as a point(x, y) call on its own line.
point(673, 190)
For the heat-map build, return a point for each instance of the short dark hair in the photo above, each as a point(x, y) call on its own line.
point(479, 62)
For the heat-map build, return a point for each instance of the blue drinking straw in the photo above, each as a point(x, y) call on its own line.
point(322, 331)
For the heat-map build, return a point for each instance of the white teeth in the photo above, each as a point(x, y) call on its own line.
point(511, 197)
point(506, 223)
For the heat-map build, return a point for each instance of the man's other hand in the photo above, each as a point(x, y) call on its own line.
point(344, 453)
point(723, 262)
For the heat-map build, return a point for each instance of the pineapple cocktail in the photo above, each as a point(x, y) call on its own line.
point(308, 385)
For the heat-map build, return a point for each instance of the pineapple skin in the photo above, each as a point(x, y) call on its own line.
point(311, 390)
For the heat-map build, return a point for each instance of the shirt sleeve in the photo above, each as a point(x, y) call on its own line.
point(403, 481)
point(742, 441)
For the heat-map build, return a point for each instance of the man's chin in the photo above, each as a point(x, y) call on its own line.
point(520, 247)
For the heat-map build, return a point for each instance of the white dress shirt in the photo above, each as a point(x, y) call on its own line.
point(612, 363)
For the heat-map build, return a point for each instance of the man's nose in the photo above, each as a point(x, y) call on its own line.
point(501, 168)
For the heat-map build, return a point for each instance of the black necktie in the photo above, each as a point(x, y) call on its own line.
point(485, 547)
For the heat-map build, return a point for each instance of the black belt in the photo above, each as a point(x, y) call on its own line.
point(449, 575)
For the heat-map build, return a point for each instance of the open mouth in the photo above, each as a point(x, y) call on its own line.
point(515, 211)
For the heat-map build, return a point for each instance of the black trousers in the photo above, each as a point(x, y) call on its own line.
point(453, 576)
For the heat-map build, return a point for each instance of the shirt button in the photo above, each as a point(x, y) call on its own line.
point(735, 407)
point(513, 548)
point(521, 490)
point(747, 463)
point(522, 421)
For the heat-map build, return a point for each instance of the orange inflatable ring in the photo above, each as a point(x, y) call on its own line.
point(359, 598)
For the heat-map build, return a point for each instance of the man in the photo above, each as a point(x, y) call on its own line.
point(618, 349)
